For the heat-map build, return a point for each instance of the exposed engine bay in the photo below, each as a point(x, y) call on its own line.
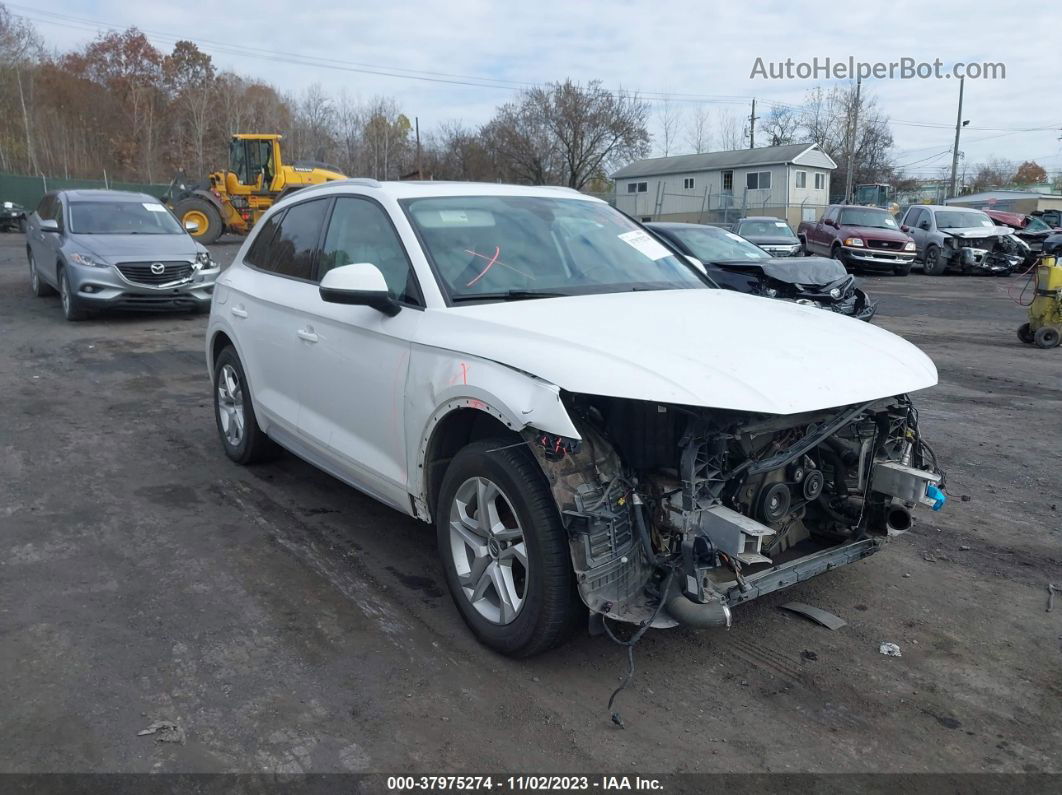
point(975, 252)
point(675, 514)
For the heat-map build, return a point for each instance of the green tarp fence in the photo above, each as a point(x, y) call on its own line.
point(27, 191)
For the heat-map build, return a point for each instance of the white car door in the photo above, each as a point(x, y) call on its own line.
point(268, 306)
point(358, 358)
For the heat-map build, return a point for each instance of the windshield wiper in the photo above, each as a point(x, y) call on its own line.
point(507, 295)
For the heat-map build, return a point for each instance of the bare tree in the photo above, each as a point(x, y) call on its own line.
point(781, 126)
point(730, 136)
point(567, 133)
point(669, 118)
point(699, 136)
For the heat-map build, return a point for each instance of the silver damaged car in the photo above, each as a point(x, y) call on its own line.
point(104, 249)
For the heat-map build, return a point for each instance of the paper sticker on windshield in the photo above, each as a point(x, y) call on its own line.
point(155, 208)
point(645, 244)
point(780, 224)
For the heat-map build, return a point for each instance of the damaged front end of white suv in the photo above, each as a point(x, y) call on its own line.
point(676, 514)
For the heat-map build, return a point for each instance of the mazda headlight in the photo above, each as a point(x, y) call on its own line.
point(857, 242)
point(909, 246)
point(203, 261)
point(87, 261)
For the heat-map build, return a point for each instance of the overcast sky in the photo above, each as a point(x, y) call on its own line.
point(676, 47)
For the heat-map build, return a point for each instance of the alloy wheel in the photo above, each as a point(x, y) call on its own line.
point(230, 405)
point(489, 550)
point(35, 280)
point(64, 293)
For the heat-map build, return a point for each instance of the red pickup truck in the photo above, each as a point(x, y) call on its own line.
point(860, 237)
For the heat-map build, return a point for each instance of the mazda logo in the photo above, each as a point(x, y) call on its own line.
point(158, 268)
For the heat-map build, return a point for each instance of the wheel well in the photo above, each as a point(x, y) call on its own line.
point(221, 341)
point(454, 431)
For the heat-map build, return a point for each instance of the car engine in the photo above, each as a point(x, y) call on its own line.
point(675, 513)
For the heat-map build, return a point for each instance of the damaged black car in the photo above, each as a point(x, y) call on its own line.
point(737, 264)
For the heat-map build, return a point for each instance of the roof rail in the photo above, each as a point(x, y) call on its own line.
point(367, 181)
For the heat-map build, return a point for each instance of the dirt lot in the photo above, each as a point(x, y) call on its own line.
point(284, 622)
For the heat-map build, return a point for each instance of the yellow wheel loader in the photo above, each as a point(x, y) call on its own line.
point(234, 200)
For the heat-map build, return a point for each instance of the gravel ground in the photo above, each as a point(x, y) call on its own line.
point(282, 622)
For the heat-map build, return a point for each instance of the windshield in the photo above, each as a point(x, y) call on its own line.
point(865, 216)
point(1036, 225)
point(709, 244)
point(959, 219)
point(122, 218)
point(498, 247)
point(765, 229)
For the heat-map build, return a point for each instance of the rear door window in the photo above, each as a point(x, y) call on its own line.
point(293, 247)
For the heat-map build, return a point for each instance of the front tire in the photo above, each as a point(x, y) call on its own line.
point(243, 440)
point(1025, 333)
point(932, 263)
point(504, 550)
point(71, 310)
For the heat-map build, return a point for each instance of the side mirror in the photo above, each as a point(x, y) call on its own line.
point(362, 284)
point(697, 264)
point(828, 222)
point(49, 225)
point(905, 228)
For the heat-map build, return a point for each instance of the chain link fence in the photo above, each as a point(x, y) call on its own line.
point(28, 191)
point(717, 208)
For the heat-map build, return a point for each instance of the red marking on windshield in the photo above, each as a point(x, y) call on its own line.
point(490, 264)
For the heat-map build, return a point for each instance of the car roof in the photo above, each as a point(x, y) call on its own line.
point(679, 225)
point(98, 195)
point(413, 189)
point(760, 218)
point(946, 207)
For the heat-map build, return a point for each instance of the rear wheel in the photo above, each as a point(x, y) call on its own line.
point(1046, 337)
point(1025, 334)
point(243, 440)
point(504, 550)
point(205, 217)
point(71, 309)
point(37, 285)
point(932, 264)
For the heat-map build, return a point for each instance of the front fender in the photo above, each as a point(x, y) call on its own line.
point(440, 382)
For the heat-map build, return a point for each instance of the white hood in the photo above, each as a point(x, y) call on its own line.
point(712, 348)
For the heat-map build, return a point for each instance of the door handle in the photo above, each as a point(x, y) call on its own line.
point(307, 334)
point(239, 311)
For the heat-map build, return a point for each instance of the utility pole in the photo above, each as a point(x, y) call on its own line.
point(420, 172)
point(852, 130)
point(955, 151)
point(752, 125)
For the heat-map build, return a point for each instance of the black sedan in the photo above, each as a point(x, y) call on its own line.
point(12, 217)
point(736, 264)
